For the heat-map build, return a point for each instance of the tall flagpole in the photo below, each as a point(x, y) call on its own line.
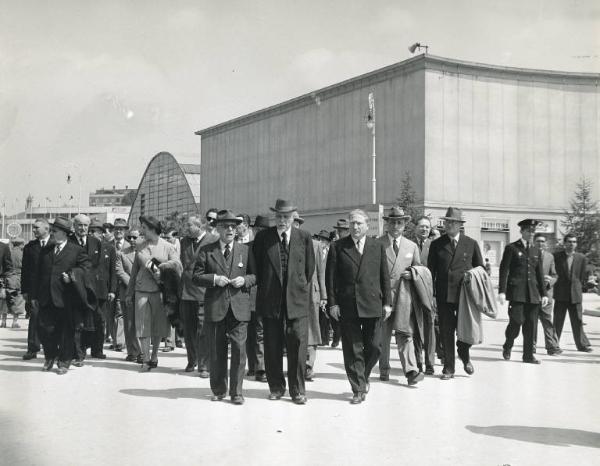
point(371, 126)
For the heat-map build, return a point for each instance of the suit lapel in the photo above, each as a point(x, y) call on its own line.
point(218, 257)
point(350, 249)
point(389, 252)
point(369, 244)
point(273, 252)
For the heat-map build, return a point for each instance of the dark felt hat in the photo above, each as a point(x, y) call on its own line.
point(151, 222)
point(96, 224)
point(298, 219)
point(396, 213)
point(261, 221)
point(63, 223)
point(455, 214)
point(228, 216)
point(342, 224)
point(529, 223)
point(121, 223)
point(323, 234)
point(283, 206)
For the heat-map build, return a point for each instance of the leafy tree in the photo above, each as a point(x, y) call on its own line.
point(408, 201)
point(583, 219)
point(175, 220)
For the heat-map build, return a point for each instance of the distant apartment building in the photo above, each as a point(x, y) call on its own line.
point(112, 197)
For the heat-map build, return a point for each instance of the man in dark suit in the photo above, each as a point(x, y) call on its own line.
point(191, 304)
point(341, 230)
point(225, 269)
point(54, 295)
point(430, 325)
point(31, 254)
point(450, 257)
point(359, 296)
point(522, 283)
point(545, 313)
point(285, 262)
point(571, 269)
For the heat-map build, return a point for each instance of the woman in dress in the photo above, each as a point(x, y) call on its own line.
point(153, 257)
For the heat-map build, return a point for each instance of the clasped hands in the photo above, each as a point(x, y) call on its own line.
point(222, 281)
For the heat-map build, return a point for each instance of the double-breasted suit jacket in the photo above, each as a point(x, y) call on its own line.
point(448, 267)
point(569, 285)
point(270, 282)
point(521, 274)
point(29, 269)
point(106, 276)
point(359, 284)
point(218, 300)
point(408, 255)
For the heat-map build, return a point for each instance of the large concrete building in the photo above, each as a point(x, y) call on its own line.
point(501, 143)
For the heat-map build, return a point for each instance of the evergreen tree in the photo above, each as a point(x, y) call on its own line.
point(408, 201)
point(583, 219)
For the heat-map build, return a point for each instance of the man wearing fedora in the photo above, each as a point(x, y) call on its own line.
point(450, 257)
point(191, 304)
point(401, 254)
point(226, 269)
point(54, 295)
point(255, 347)
point(359, 296)
point(522, 283)
point(341, 229)
point(285, 262)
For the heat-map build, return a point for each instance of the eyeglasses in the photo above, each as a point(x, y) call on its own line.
point(131, 238)
point(228, 226)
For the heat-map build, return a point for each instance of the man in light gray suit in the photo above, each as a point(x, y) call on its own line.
point(401, 253)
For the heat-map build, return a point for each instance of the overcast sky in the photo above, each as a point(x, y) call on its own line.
point(97, 88)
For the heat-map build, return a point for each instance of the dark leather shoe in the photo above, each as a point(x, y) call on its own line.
point(250, 373)
point(299, 399)
point(190, 367)
point(217, 397)
point(48, 364)
point(78, 362)
point(139, 359)
point(587, 349)
point(309, 374)
point(469, 369)
point(555, 352)
point(62, 370)
point(275, 396)
point(414, 377)
point(29, 355)
point(237, 400)
point(119, 348)
point(506, 354)
point(99, 356)
point(203, 374)
point(130, 358)
point(384, 377)
point(446, 376)
point(356, 399)
point(429, 370)
point(167, 349)
point(335, 343)
point(153, 364)
point(532, 360)
point(260, 376)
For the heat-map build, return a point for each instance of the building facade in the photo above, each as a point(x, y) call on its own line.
point(112, 197)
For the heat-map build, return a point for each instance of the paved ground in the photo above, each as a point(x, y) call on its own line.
point(507, 413)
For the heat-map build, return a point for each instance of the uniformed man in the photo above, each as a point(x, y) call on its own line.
point(522, 283)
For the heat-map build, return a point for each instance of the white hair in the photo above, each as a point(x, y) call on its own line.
point(360, 212)
point(81, 218)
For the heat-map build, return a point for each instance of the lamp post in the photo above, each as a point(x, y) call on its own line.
point(371, 126)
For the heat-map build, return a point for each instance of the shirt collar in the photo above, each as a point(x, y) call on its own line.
point(456, 238)
point(392, 239)
point(288, 234)
point(61, 244)
point(222, 244)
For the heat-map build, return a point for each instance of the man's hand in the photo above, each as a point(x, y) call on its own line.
point(221, 280)
point(111, 297)
point(387, 311)
point(334, 311)
point(237, 282)
point(406, 275)
point(544, 301)
point(323, 303)
point(66, 278)
point(501, 298)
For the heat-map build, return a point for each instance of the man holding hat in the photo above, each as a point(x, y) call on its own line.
point(53, 294)
point(285, 262)
point(226, 269)
point(522, 283)
point(450, 257)
point(401, 254)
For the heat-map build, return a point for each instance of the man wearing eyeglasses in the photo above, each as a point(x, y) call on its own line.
point(124, 263)
point(211, 221)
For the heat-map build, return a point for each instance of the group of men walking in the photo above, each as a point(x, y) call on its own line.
point(264, 293)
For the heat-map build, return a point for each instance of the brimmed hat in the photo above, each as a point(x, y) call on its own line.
point(283, 206)
point(108, 226)
point(245, 218)
point(151, 222)
point(529, 223)
point(261, 221)
point(63, 223)
point(323, 234)
point(96, 224)
point(454, 214)
point(228, 216)
point(397, 213)
point(300, 220)
point(121, 223)
point(17, 241)
point(342, 224)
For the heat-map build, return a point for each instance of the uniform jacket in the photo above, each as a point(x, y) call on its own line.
point(521, 275)
point(106, 272)
point(218, 300)
point(549, 270)
point(447, 269)
point(358, 284)
point(189, 254)
point(49, 287)
point(568, 286)
point(408, 255)
point(31, 254)
point(301, 265)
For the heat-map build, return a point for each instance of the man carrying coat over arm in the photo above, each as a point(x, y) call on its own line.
point(359, 296)
point(226, 269)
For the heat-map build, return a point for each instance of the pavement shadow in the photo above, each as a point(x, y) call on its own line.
point(22, 368)
point(541, 435)
point(205, 394)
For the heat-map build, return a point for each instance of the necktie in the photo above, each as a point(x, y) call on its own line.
point(454, 243)
point(42, 243)
point(396, 247)
point(420, 245)
point(358, 247)
point(81, 243)
point(283, 239)
point(56, 250)
point(226, 253)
